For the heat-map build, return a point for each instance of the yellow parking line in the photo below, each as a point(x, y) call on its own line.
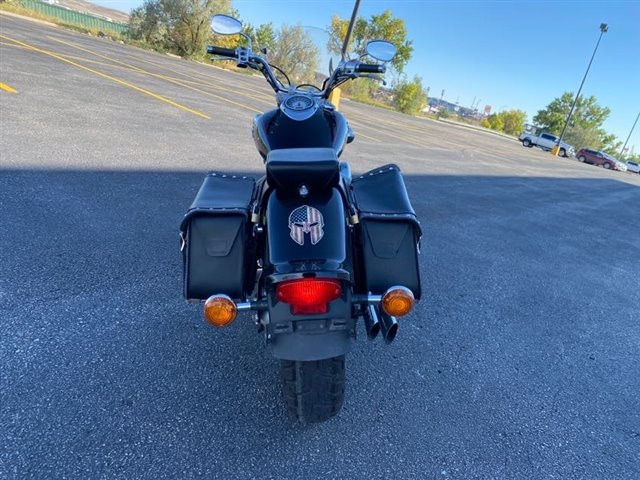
point(262, 95)
point(163, 77)
point(74, 57)
point(7, 88)
point(109, 77)
point(400, 137)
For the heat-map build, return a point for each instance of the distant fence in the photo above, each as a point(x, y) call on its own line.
point(75, 18)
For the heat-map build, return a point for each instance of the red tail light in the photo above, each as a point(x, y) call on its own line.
point(309, 295)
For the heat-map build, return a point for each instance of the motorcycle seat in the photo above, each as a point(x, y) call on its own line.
point(290, 168)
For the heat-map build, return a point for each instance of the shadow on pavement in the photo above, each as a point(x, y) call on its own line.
point(528, 333)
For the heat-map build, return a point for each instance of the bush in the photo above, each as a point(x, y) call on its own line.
point(411, 97)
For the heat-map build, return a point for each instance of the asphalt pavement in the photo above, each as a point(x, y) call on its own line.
point(521, 360)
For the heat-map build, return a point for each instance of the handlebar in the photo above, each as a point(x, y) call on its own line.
point(340, 75)
point(227, 52)
point(370, 68)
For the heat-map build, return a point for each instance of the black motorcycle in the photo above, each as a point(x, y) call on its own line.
point(307, 248)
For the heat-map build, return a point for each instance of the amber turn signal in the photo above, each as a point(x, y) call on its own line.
point(398, 301)
point(220, 310)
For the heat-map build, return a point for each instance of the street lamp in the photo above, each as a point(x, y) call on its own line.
point(627, 140)
point(603, 29)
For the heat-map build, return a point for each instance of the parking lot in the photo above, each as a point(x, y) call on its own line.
point(521, 361)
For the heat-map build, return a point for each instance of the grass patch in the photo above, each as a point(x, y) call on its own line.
point(368, 101)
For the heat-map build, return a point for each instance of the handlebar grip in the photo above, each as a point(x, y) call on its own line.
point(370, 68)
point(226, 52)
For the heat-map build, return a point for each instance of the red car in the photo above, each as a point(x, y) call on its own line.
point(598, 158)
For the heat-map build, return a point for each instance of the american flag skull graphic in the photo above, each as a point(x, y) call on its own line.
point(303, 220)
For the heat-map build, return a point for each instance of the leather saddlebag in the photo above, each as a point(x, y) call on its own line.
point(389, 232)
point(215, 233)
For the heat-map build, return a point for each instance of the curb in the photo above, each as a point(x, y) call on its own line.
point(477, 129)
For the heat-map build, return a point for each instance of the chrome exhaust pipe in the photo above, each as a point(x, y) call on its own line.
point(388, 327)
point(371, 321)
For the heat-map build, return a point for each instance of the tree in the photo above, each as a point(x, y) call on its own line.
point(379, 27)
point(587, 113)
point(362, 90)
point(513, 121)
point(411, 97)
point(510, 122)
point(494, 122)
point(581, 137)
point(610, 144)
point(181, 26)
point(294, 52)
point(265, 38)
point(149, 24)
point(585, 127)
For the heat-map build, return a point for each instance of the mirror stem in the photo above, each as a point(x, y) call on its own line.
point(250, 46)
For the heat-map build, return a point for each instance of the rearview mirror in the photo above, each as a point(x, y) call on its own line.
point(381, 50)
point(225, 25)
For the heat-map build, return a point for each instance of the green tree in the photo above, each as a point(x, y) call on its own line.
point(510, 122)
point(262, 37)
point(610, 144)
point(494, 122)
point(513, 121)
point(587, 113)
point(411, 97)
point(149, 24)
point(363, 89)
point(581, 137)
point(181, 26)
point(265, 37)
point(585, 127)
point(379, 27)
point(295, 52)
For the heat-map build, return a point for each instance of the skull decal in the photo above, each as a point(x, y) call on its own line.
point(303, 220)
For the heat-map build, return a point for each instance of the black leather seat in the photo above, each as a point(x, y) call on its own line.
point(316, 168)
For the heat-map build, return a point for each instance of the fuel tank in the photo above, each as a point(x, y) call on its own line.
point(273, 130)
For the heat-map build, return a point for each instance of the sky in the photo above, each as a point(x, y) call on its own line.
point(506, 54)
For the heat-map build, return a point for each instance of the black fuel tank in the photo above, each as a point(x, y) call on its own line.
point(273, 130)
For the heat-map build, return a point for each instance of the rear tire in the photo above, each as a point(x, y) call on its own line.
point(581, 158)
point(607, 166)
point(314, 391)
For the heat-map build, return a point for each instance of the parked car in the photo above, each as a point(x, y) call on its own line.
point(546, 141)
point(633, 166)
point(600, 159)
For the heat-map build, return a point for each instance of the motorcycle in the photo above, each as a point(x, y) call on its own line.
point(308, 248)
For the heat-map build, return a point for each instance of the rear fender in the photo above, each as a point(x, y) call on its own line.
point(306, 234)
point(307, 237)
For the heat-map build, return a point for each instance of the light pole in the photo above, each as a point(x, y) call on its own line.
point(627, 140)
point(440, 104)
point(603, 29)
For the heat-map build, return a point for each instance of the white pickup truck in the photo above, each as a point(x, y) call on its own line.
point(546, 141)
